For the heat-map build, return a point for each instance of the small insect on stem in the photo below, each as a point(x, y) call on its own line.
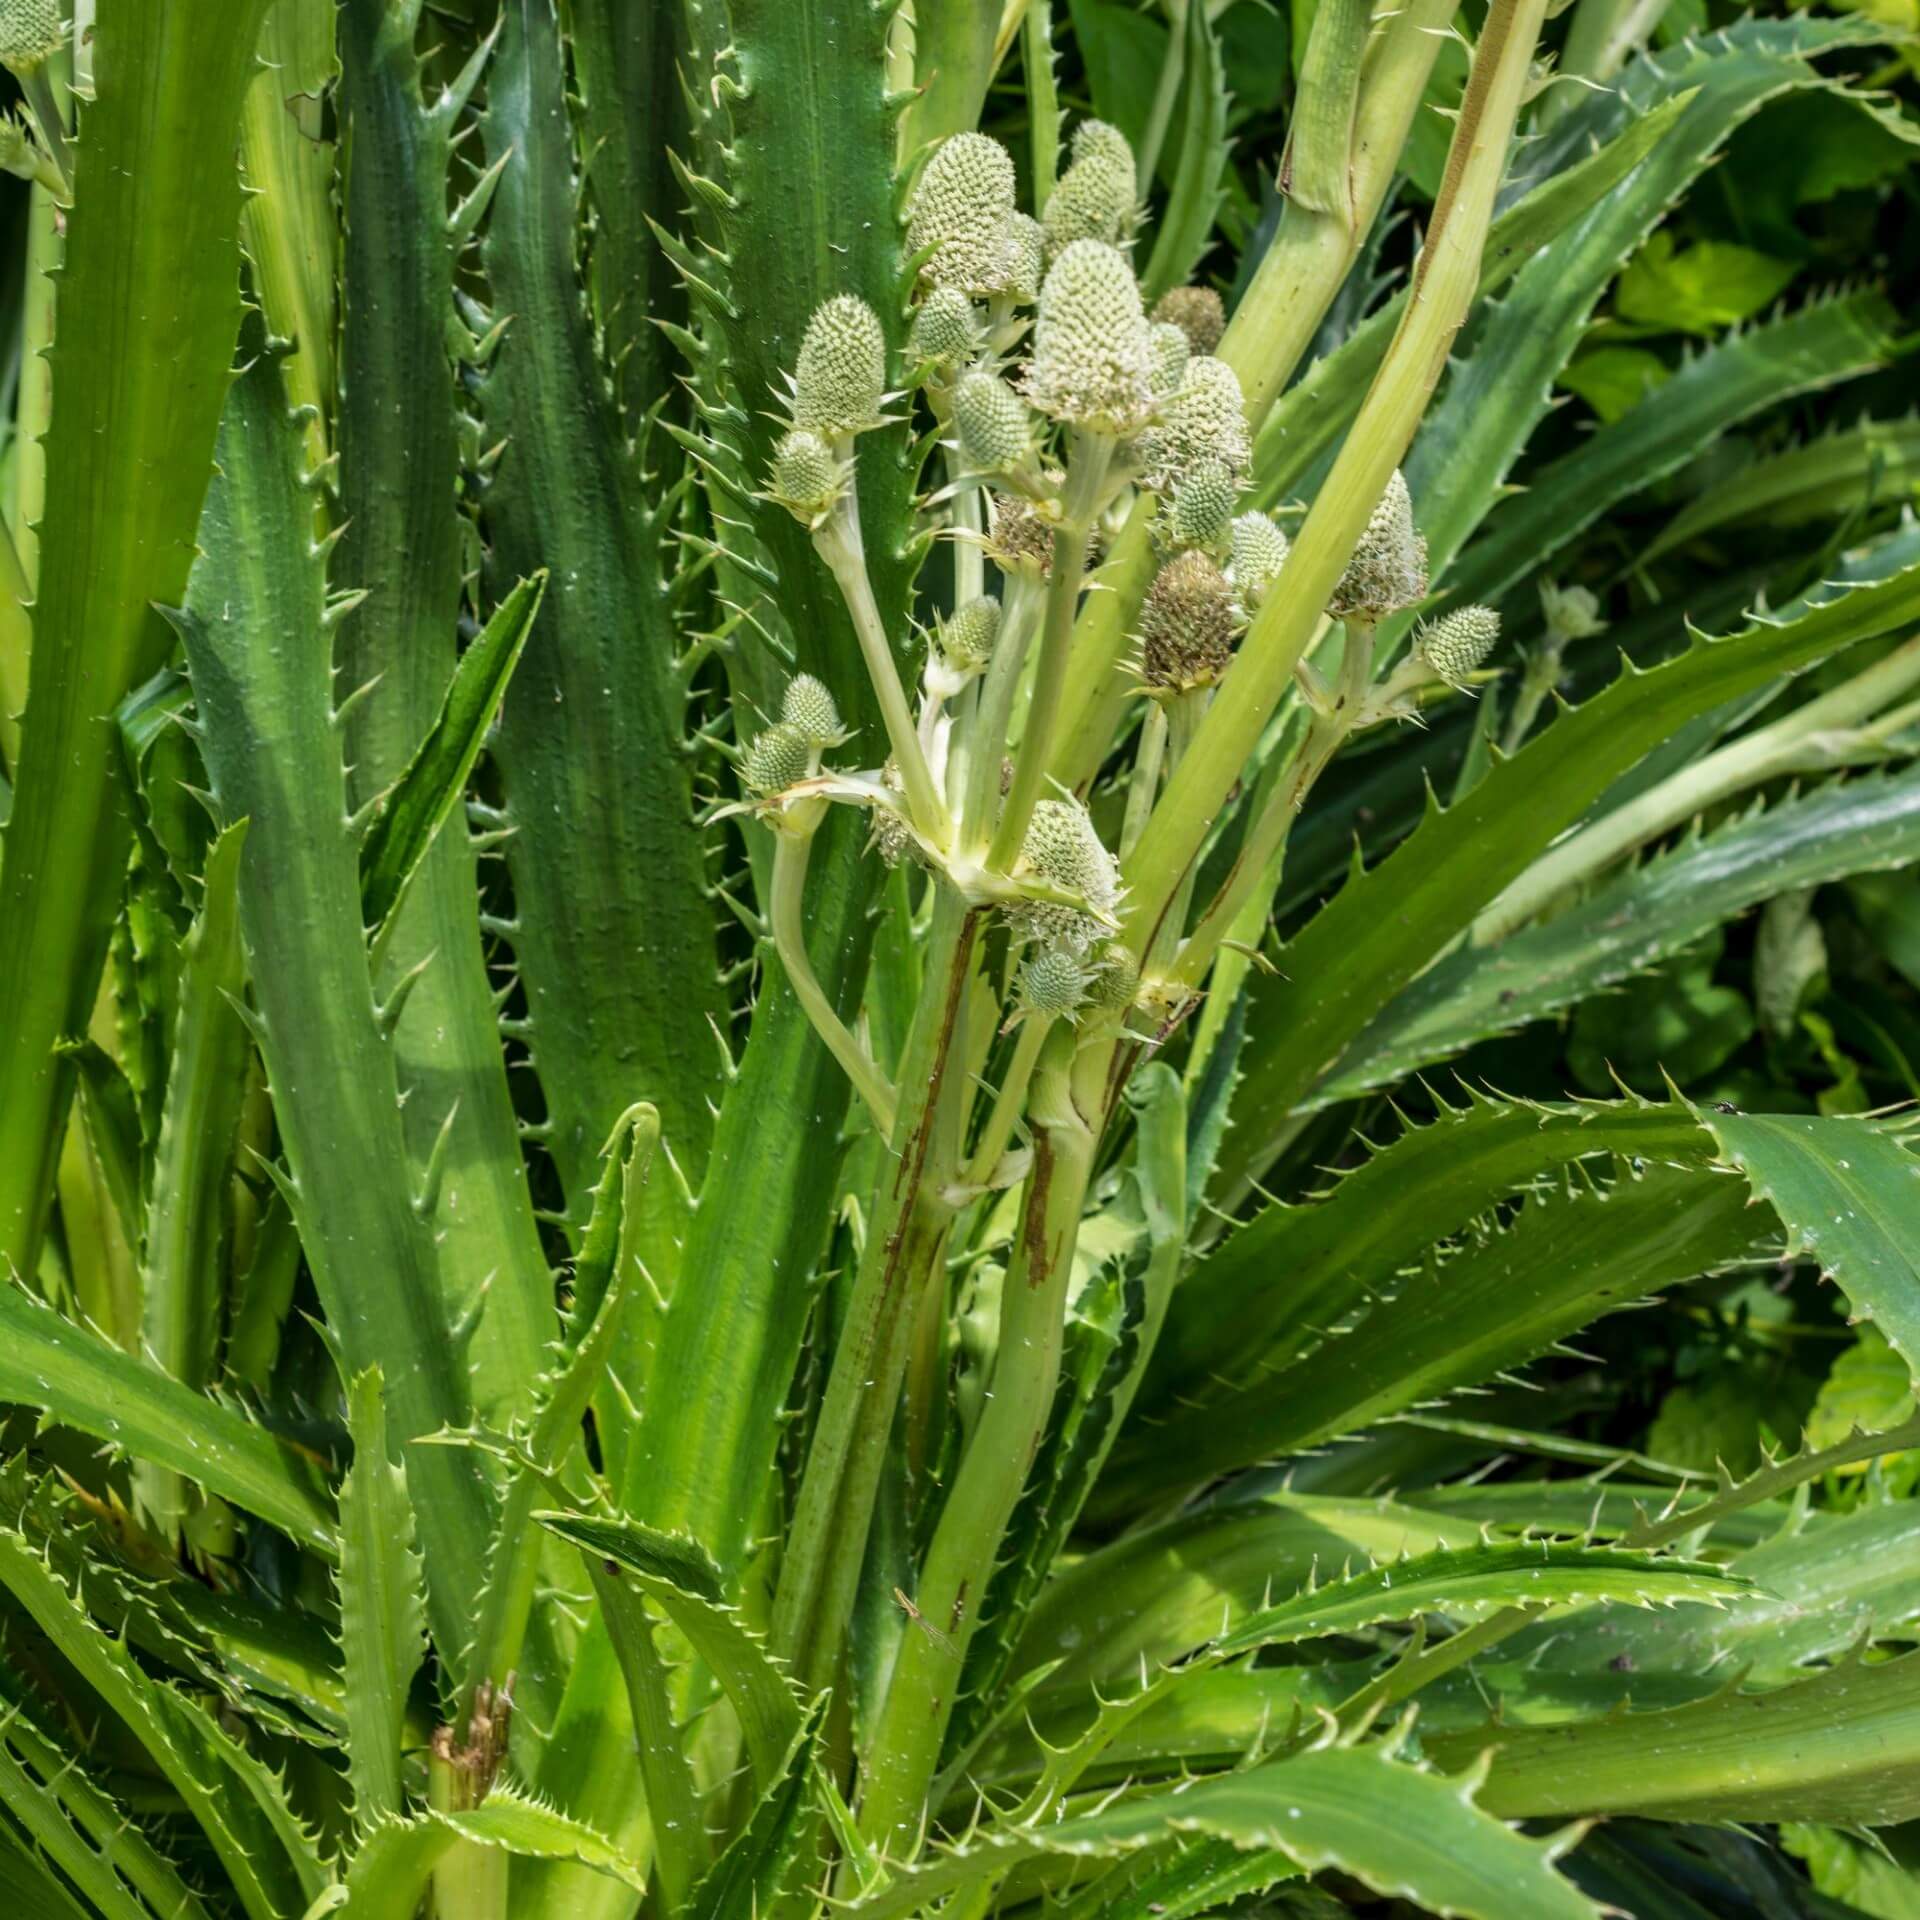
point(925, 1625)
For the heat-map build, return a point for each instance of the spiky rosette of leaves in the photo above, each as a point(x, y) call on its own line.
point(1170, 356)
point(807, 477)
point(30, 32)
point(945, 329)
point(1201, 508)
point(1388, 570)
point(1021, 540)
point(1259, 552)
point(1202, 423)
point(1198, 312)
point(1459, 642)
point(1063, 849)
point(992, 423)
point(780, 757)
point(1188, 623)
point(1092, 360)
point(840, 379)
point(1054, 982)
point(809, 707)
point(963, 208)
point(967, 636)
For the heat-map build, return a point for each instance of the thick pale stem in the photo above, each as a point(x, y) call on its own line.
point(966, 1542)
point(1148, 758)
point(1823, 733)
point(1160, 115)
point(1008, 1102)
point(838, 541)
point(1445, 280)
point(1087, 463)
point(986, 744)
point(788, 894)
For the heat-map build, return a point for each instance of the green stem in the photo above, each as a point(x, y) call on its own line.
point(840, 545)
point(1144, 784)
point(966, 1543)
point(1043, 101)
point(37, 84)
point(1539, 680)
point(784, 913)
point(1089, 457)
point(1008, 1102)
point(986, 741)
point(1160, 116)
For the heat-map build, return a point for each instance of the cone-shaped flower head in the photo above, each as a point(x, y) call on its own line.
point(1197, 312)
point(1116, 979)
point(1456, 644)
point(1102, 140)
point(841, 378)
point(1201, 508)
point(807, 477)
point(1188, 622)
point(1063, 849)
point(1094, 200)
point(1388, 570)
point(30, 32)
point(1026, 256)
point(1259, 552)
point(946, 329)
point(967, 637)
point(1054, 982)
point(962, 208)
point(808, 706)
point(1020, 538)
point(1572, 613)
point(1203, 423)
point(992, 422)
point(1092, 360)
point(778, 757)
point(1170, 356)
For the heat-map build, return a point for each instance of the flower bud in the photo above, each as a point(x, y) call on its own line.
point(1388, 570)
point(30, 32)
point(962, 208)
point(1102, 140)
point(808, 707)
point(1170, 356)
point(1094, 200)
point(946, 329)
point(1026, 245)
point(1454, 645)
point(1203, 423)
point(1063, 849)
point(992, 422)
point(1020, 538)
point(1188, 623)
point(778, 758)
point(966, 639)
point(1202, 506)
point(1053, 982)
point(841, 378)
point(1092, 361)
point(1116, 979)
point(807, 478)
point(1572, 613)
point(1197, 312)
point(1259, 552)
point(891, 834)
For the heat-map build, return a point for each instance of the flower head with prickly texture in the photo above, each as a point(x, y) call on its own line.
point(891, 834)
point(779, 757)
point(808, 477)
point(1026, 245)
point(1201, 508)
point(1388, 570)
point(1457, 643)
point(1259, 552)
point(808, 706)
point(1092, 360)
point(1202, 423)
point(1095, 200)
point(1197, 311)
point(1170, 356)
point(1102, 140)
point(1062, 849)
point(841, 378)
point(1188, 623)
point(30, 32)
point(967, 636)
point(946, 329)
point(1571, 613)
point(962, 209)
point(1054, 983)
point(992, 423)
point(1021, 540)
point(1116, 979)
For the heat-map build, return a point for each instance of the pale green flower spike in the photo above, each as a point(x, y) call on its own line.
point(1201, 509)
point(1063, 849)
point(1115, 981)
point(946, 329)
point(778, 758)
point(1456, 644)
point(1188, 622)
point(1102, 141)
point(841, 378)
point(967, 637)
point(807, 476)
point(994, 425)
point(1197, 311)
point(31, 31)
point(963, 208)
point(809, 707)
point(1388, 570)
point(1020, 538)
point(1170, 356)
point(1054, 981)
point(1094, 200)
point(1026, 257)
point(1259, 552)
point(1203, 423)
point(1092, 359)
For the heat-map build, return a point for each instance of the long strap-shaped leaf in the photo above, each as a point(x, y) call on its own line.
point(139, 362)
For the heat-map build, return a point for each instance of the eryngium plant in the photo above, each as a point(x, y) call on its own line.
point(673, 1036)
